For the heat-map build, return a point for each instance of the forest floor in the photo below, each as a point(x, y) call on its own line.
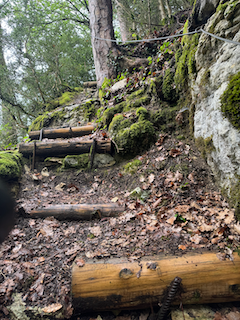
point(175, 209)
point(172, 206)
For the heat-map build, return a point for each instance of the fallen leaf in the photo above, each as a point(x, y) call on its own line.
point(151, 178)
point(182, 247)
point(60, 186)
point(80, 262)
point(114, 199)
point(174, 152)
point(52, 308)
point(171, 219)
point(96, 231)
point(161, 158)
point(45, 172)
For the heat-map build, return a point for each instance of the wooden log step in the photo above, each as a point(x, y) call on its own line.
point(119, 284)
point(78, 211)
point(53, 133)
point(64, 148)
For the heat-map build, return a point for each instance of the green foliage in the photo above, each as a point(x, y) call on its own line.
point(230, 101)
point(10, 165)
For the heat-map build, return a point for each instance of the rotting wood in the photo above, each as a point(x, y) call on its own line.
point(119, 284)
point(64, 148)
point(53, 133)
point(78, 211)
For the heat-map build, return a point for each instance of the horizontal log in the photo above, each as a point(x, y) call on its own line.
point(90, 84)
point(64, 148)
point(78, 211)
point(53, 133)
point(119, 284)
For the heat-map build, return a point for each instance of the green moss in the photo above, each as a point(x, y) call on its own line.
point(164, 119)
point(119, 123)
point(152, 88)
point(132, 167)
point(136, 138)
point(186, 64)
point(168, 88)
point(142, 114)
point(145, 100)
point(135, 94)
point(110, 112)
point(205, 146)
point(76, 161)
point(89, 110)
point(10, 165)
point(230, 101)
point(40, 122)
point(178, 54)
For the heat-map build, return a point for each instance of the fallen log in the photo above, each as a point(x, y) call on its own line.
point(64, 148)
point(119, 284)
point(78, 211)
point(53, 133)
point(90, 84)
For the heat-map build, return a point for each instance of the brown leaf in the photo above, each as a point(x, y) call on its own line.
point(182, 247)
point(171, 220)
point(52, 308)
point(80, 262)
point(174, 152)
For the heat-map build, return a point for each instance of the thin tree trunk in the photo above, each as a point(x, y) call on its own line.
point(169, 11)
point(121, 15)
point(162, 10)
point(104, 51)
point(149, 16)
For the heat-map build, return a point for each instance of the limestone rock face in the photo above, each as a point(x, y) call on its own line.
point(202, 11)
point(216, 62)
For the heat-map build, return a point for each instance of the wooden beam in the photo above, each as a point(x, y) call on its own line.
point(64, 147)
point(78, 211)
point(53, 133)
point(119, 284)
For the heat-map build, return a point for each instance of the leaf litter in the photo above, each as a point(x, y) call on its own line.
point(174, 209)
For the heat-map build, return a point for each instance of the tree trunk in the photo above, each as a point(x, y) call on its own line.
point(162, 10)
point(169, 11)
point(121, 15)
point(101, 27)
point(119, 284)
point(64, 148)
point(78, 211)
point(53, 133)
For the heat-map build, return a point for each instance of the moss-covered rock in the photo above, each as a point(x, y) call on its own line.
point(119, 123)
point(136, 138)
point(230, 101)
point(142, 114)
point(168, 88)
point(10, 165)
point(164, 118)
point(76, 161)
point(109, 113)
point(185, 63)
point(46, 119)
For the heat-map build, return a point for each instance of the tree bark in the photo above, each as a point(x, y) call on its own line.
point(64, 148)
point(78, 211)
point(121, 15)
point(162, 10)
point(119, 284)
point(53, 133)
point(169, 11)
point(101, 27)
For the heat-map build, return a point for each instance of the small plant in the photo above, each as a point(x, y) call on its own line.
point(150, 60)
